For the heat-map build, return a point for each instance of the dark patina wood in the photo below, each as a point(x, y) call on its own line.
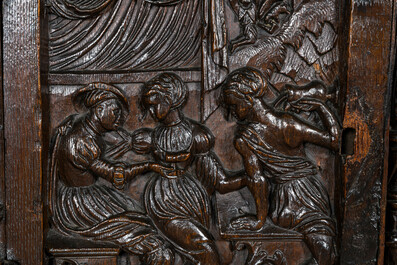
point(3, 240)
point(367, 112)
point(196, 132)
point(391, 247)
point(23, 132)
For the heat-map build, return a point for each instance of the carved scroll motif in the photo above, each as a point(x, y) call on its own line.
point(258, 256)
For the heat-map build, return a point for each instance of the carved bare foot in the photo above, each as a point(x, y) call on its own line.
point(247, 222)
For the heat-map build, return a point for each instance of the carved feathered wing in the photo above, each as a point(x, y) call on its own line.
point(302, 50)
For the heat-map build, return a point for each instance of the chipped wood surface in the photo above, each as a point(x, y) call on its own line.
point(368, 98)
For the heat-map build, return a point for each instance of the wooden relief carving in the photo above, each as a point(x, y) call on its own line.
point(206, 131)
point(81, 204)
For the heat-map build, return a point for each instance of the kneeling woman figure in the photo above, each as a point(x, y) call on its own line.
point(178, 204)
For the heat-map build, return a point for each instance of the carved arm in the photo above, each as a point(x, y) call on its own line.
point(306, 132)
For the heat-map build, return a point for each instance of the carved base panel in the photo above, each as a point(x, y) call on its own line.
point(88, 256)
point(275, 252)
point(269, 245)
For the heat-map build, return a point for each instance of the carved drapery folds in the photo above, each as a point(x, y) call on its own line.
point(215, 55)
point(284, 183)
point(128, 35)
point(73, 9)
point(277, 77)
point(164, 2)
point(78, 9)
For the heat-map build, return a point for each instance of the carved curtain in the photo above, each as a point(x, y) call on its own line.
point(341, 54)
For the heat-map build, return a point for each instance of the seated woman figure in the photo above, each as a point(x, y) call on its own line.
point(83, 201)
point(271, 143)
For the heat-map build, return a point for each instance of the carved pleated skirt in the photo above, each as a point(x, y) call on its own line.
point(102, 213)
point(180, 208)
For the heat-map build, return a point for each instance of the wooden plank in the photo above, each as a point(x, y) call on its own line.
point(2, 180)
point(23, 119)
point(368, 99)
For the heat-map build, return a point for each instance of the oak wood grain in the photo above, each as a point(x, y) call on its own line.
point(22, 116)
point(368, 98)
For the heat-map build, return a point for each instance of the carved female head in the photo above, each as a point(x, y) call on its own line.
point(239, 90)
point(107, 104)
point(163, 94)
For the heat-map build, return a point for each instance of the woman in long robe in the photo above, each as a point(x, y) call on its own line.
point(84, 203)
point(178, 203)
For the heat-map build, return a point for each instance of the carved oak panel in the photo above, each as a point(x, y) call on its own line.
point(194, 132)
point(159, 183)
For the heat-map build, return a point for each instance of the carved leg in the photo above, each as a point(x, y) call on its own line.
point(322, 248)
point(194, 239)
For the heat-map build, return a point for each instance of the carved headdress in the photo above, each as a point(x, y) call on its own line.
point(169, 85)
point(95, 93)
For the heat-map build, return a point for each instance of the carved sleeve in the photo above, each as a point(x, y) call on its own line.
point(142, 141)
point(84, 151)
point(86, 155)
point(251, 162)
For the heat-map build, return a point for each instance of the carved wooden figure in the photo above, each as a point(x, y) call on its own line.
point(82, 204)
point(274, 123)
point(271, 144)
point(178, 203)
point(205, 132)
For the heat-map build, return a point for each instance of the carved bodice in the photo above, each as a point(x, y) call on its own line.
point(175, 145)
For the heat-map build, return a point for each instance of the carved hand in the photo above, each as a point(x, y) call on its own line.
point(306, 104)
point(163, 171)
